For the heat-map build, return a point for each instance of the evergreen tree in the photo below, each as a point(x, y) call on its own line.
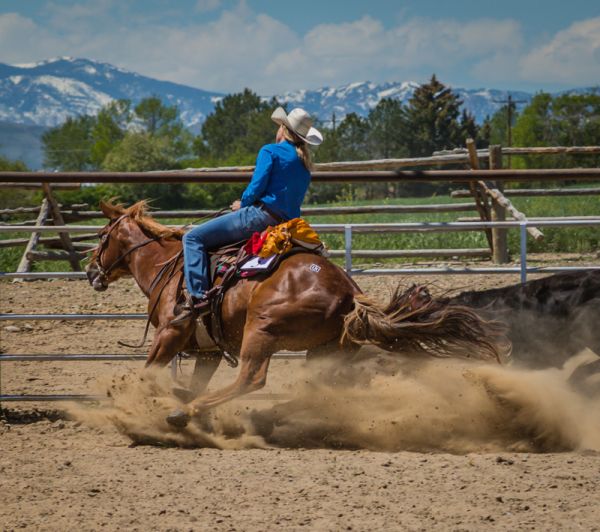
point(154, 116)
point(162, 121)
point(433, 119)
point(389, 133)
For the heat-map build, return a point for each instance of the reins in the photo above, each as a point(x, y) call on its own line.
point(172, 262)
point(169, 264)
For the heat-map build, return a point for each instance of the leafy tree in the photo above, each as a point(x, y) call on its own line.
point(68, 147)
point(109, 129)
point(237, 128)
point(497, 125)
point(11, 198)
point(141, 152)
point(565, 120)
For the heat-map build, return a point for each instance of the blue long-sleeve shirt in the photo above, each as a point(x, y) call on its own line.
point(280, 180)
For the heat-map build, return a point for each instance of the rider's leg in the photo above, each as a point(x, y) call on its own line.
point(227, 229)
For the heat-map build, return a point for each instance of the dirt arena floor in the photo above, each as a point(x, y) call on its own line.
point(393, 445)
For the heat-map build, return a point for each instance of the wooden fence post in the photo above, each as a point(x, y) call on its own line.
point(25, 263)
point(57, 217)
point(478, 192)
point(499, 236)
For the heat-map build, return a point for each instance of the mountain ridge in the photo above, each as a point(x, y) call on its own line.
point(46, 93)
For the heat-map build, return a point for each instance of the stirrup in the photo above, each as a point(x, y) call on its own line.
point(191, 310)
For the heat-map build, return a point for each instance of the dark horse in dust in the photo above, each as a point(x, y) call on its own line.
point(307, 303)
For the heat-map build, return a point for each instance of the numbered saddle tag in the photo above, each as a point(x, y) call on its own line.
point(314, 268)
point(258, 263)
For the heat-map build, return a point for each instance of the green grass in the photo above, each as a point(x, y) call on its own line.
point(557, 240)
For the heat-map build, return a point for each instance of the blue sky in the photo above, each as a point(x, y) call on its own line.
point(274, 46)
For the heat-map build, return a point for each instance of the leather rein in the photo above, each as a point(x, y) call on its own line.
point(170, 263)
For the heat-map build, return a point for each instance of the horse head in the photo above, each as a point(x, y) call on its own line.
point(107, 262)
point(128, 229)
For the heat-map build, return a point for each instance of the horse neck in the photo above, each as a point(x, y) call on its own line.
point(146, 262)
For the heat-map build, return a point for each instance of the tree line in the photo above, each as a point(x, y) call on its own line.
point(151, 136)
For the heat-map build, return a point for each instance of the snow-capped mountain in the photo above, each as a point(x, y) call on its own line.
point(48, 92)
point(361, 97)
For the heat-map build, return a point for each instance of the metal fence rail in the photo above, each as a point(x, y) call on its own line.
point(346, 229)
point(100, 398)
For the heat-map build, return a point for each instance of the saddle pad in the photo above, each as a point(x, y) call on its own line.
point(258, 263)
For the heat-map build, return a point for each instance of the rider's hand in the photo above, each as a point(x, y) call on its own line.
point(235, 206)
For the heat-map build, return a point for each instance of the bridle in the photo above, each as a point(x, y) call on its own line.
point(103, 246)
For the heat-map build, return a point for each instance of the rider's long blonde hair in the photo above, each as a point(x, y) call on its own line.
point(301, 146)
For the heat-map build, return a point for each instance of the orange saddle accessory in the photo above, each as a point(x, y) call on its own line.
point(283, 237)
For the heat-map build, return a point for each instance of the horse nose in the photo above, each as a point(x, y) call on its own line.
point(94, 277)
point(91, 271)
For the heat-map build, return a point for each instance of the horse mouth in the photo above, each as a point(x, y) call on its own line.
point(95, 278)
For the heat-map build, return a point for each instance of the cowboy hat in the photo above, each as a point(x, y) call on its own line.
point(300, 123)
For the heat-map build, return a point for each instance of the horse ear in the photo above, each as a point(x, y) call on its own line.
point(108, 209)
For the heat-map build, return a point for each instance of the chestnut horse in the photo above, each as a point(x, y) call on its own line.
point(307, 303)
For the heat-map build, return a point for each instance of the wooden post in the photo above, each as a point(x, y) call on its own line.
point(25, 264)
point(64, 237)
point(499, 236)
point(478, 195)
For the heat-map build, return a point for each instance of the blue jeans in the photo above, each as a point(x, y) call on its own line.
point(224, 230)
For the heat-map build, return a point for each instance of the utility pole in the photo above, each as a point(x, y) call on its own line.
point(511, 106)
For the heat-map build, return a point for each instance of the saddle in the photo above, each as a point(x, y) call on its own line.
point(244, 260)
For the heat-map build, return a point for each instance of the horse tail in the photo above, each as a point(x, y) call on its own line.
point(415, 323)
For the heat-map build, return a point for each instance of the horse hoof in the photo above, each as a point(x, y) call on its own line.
point(178, 419)
point(185, 396)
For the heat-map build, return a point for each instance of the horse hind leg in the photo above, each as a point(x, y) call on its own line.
point(255, 355)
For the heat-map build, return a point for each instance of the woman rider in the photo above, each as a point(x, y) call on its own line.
point(274, 195)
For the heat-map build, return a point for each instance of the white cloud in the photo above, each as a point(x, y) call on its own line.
point(242, 48)
point(571, 57)
point(365, 50)
point(22, 40)
point(207, 5)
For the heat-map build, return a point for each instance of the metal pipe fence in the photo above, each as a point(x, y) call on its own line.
point(347, 229)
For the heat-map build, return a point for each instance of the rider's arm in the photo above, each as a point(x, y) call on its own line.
point(260, 179)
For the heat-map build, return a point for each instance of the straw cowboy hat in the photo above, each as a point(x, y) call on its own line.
point(300, 123)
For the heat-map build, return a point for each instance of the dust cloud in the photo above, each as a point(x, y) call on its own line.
point(379, 403)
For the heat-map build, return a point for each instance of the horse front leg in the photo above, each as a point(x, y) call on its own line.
point(204, 368)
point(255, 355)
point(168, 341)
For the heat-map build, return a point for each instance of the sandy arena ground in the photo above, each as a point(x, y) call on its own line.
point(428, 445)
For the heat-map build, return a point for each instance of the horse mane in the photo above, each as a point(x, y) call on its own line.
point(139, 213)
